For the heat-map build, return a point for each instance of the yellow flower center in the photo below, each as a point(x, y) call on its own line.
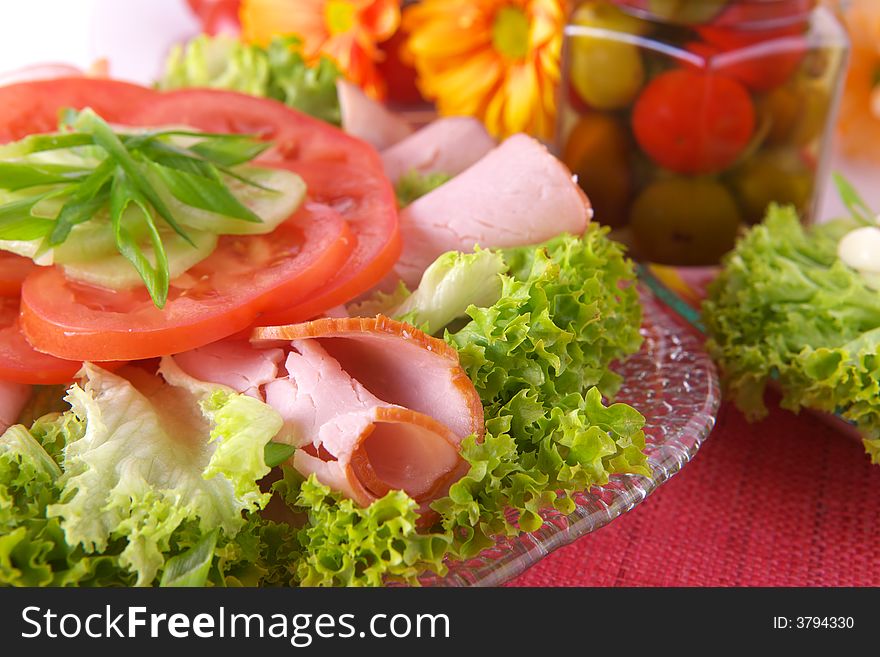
point(510, 33)
point(340, 16)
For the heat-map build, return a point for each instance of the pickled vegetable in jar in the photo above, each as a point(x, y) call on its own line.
point(685, 119)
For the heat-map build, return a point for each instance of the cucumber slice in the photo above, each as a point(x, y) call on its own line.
point(273, 207)
point(94, 239)
point(116, 273)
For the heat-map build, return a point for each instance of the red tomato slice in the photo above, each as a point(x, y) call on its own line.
point(31, 107)
point(19, 362)
point(694, 122)
point(372, 215)
point(13, 270)
point(339, 170)
point(218, 297)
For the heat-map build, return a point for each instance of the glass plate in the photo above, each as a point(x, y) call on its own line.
point(673, 382)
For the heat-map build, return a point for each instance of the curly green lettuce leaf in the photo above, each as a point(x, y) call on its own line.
point(568, 309)
point(154, 458)
point(345, 545)
point(277, 71)
point(220, 62)
point(453, 283)
point(785, 308)
point(413, 185)
point(540, 358)
point(33, 550)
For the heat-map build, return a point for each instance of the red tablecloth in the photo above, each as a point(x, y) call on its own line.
point(785, 502)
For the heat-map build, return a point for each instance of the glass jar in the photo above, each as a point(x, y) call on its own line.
point(685, 119)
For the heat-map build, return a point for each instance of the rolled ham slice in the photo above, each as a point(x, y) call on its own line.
point(354, 442)
point(13, 397)
point(448, 145)
point(369, 120)
point(518, 194)
point(395, 362)
point(374, 405)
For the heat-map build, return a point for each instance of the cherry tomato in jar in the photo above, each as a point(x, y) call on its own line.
point(761, 59)
point(765, 13)
point(694, 122)
point(684, 221)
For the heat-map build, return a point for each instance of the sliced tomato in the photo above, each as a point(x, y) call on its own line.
point(218, 297)
point(340, 171)
point(19, 362)
point(32, 107)
point(13, 270)
point(372, 215)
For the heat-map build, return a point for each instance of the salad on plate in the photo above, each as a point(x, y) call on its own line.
point(242, 346)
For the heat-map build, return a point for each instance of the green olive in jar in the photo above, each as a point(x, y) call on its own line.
point(776, 176)
point(796, 113)
point(684, 221)
point(690, 12)
point(606, 72)
point(597, 151)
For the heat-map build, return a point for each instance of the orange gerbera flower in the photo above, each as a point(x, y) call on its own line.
point(494, 59)
point(859, 124)
point(347, 31)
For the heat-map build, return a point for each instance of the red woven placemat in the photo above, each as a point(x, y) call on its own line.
point(785, 502)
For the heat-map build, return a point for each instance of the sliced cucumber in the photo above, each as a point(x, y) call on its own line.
point(116, 273)
point(94, 239)
point(273, 207)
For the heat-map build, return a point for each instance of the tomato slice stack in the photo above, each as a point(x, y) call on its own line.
point(342, 241)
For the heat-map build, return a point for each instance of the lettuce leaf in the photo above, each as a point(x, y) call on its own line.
point(345, 545)
point(541, 357)
point(785, 308)
point(277, 71)
point(145, 465)
point(138, 471)
point(453, 283)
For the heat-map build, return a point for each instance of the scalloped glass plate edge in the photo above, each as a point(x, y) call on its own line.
point(673, 382)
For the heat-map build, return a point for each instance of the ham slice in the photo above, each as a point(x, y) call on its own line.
point(13, 397)
point(397, 363)
point(233, 363)
point(518, 194)
point(448, 145)
point(374, 405)
point(369, 120)
point(351, 440)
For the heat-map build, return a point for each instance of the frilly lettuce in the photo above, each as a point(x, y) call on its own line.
point(540, 358)
point(786, 308)
point(345, 545)
point(277, 71)
point(453, 283)
point(149, 468)
point(545, 325)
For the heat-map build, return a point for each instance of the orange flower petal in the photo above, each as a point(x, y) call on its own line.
point(451, 45)
point(263, 19)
